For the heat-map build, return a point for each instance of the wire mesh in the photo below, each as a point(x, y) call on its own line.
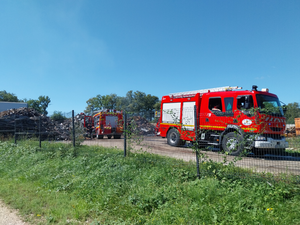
point(226, 143)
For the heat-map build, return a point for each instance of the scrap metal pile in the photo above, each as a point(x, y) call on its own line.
point(141, 126)
point(290, 131)
point(26, 121)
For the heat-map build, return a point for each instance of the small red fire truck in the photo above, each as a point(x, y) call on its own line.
point(105, 122)
point(226, 118)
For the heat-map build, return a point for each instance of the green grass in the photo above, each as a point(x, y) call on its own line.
point(95, 185)
point(294, 144)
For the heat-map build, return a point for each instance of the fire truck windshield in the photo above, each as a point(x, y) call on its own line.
point(269, 105)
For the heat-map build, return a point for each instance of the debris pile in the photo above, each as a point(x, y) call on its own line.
point(141, 126)
point(79, 119)
point(27, 121)
point(290, 131)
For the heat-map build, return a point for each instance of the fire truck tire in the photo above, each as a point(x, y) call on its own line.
point(232, 143)
point(173, 138)
point(109, 136)
point(99, 136)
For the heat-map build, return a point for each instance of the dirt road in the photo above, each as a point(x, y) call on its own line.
point(157, 145)
point(9, 216)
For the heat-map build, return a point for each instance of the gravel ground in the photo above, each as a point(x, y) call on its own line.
point(157, 145)
point(9, 216)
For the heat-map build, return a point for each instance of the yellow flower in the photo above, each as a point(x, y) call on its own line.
point(269, 209)
point(38, 215)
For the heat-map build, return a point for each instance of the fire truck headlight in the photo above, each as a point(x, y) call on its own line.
point(260, 138)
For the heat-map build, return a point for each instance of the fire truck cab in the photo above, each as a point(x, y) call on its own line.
point(226, 118)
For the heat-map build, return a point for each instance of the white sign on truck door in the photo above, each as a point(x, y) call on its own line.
point(171, 113)
point(188, 117)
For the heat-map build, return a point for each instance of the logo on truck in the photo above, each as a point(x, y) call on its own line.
point(247, 122)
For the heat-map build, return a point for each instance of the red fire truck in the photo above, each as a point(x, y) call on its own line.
point(227, 118)
point(105, 122)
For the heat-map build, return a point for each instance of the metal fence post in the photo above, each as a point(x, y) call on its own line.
point(73, 125)
point(125, 131)
point(15, 130)
point(196, 140)
point(40, 139)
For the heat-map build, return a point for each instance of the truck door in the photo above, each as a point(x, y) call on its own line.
point(221, 112)
point(214, 118)
point(244, 113)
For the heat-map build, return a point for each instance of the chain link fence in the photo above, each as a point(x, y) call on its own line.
point(210, 150)
point(24, 123)
point(236, 152)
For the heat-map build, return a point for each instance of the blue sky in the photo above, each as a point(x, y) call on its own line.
point(72, 50)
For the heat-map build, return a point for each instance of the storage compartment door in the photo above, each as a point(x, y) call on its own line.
point(171, 113)
point(188, 118)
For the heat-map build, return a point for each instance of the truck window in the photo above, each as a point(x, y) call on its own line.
point(228, 106)
point(269, 105)
point(244, 102)
point(215, 104)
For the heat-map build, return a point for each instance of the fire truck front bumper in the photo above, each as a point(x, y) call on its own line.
point(271, 143)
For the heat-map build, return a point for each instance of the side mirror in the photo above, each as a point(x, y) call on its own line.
point(284, 109)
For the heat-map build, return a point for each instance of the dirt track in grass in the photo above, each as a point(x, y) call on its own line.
point(157, 145)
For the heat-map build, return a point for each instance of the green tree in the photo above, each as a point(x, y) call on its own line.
point(34, 104)
point(8, 97)
point(292, 112)
point(110, 101)
point(44, 102)
point(150, 102)
point(133, 102)
point(94, 104)
point(139, 102)
point(157, 106)
point(40, 105)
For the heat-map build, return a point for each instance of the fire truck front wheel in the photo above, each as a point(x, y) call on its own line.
point(173, 138)
point(232, 143)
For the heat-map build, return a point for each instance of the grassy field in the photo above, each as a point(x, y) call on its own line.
point(93, 185)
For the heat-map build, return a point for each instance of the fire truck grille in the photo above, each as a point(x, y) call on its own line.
point(276, 128)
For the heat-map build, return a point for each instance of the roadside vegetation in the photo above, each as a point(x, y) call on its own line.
point(59, 184)
point(294, 144)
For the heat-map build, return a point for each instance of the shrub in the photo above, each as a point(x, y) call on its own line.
point(58, 116)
